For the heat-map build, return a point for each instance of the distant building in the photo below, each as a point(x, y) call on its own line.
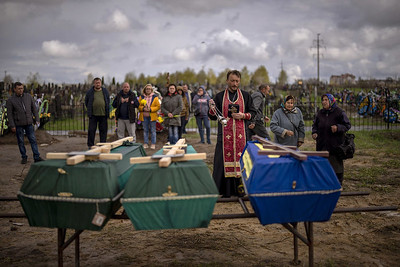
point(344, 79)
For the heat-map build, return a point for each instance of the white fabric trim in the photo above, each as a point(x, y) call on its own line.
point(66, 199)
point(148, 199)
point(321, 192)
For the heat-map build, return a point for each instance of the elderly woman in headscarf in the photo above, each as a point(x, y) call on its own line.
point(329, 127)
point(287, 124)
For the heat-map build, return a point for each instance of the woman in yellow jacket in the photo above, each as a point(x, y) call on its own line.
point(149, 105)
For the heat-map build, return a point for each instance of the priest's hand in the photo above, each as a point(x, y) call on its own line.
point(211, 103)
point(238, 116)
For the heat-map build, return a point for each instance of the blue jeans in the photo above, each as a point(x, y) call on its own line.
point(200, 120)
point(147, 123)
point(172, 134)
point(30, 133)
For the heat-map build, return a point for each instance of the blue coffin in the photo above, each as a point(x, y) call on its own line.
point(283, 189)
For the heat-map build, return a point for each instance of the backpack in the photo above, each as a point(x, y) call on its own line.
point(347, 149)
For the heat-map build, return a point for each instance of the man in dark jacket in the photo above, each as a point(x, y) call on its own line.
point(125, 102)
point(256, 126)
point(97, 102)
point(20, 111)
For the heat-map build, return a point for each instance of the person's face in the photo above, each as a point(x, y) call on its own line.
point(171, 89)
point(19, 90)
point(201, 91)
point(97, 84)
point(233, 82)
point(265, 90)
point(325, 102)
point(289, 104)
point(147, 91)
point(126, 88)
point(185, 88)
point(180, 92)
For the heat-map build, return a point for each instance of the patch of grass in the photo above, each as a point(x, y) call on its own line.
point(387, 142)
point(369, 175)
point(381, 189)
point(330, 263)
point(392, 164)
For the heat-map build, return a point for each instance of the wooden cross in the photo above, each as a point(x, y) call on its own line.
point(281, 150)
point(174, 154)
point(115, 144)
point(99, 152)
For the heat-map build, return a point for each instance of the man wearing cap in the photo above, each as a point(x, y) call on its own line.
point(256, 126)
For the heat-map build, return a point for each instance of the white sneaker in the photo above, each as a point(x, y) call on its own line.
point(145, 146)
point(153, 146)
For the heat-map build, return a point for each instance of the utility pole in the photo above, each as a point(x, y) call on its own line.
point(317, 44)
point(318, 58)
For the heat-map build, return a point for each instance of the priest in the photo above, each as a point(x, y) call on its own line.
point(237, 107)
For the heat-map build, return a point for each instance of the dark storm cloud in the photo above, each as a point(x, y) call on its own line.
point(355, 14)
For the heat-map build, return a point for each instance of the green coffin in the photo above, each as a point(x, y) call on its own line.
point(57, 195)
point(192, 207)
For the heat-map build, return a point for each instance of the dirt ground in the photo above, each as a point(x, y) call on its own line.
point(347, 239)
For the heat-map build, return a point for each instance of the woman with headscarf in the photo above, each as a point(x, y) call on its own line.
point(149, 105)
point(329, 127)
point(287, 124)
point(171, 107)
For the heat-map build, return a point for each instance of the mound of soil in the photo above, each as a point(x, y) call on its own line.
point(42, 137)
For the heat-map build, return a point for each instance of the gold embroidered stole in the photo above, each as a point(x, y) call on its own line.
point(234, 136)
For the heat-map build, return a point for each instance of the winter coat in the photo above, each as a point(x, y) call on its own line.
point(326, 139)
point(280, 124)
point(154, 107)
point(200, 105)
point(90, 98)
point(21, 110)
point(172, 104)
point(259, 104)
point(185, 107)
point(132, 104)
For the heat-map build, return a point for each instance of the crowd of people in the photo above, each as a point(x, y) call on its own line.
point(243, 115)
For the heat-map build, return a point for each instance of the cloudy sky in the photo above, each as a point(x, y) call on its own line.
point(64, 40)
